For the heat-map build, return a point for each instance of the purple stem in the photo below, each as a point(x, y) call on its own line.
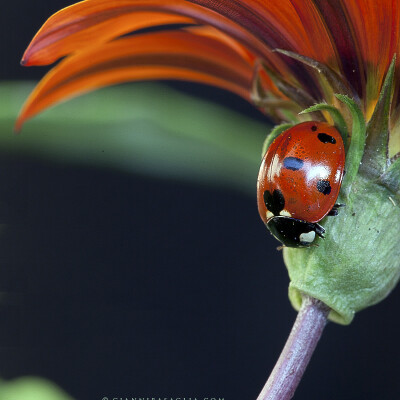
point(296, 354)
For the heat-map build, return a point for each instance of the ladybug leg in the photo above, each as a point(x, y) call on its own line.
point(335, 209)
point(319, 230)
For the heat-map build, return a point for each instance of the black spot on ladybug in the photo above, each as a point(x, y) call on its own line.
point(275, 202)
point(325, 138)
point(268, 200)
point(314, 128)
point(293, 163)
point(324, 187)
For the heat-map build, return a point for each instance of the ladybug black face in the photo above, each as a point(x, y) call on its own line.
point(294, 232)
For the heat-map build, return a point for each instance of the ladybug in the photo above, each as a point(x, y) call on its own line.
point(299, 182)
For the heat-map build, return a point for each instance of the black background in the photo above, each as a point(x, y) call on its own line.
point(126, 286)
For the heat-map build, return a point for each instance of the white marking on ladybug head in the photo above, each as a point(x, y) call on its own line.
point(285, 213)
point(307, 237)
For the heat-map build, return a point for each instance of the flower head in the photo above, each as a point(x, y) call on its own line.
point(220, 43)
point(334, 57)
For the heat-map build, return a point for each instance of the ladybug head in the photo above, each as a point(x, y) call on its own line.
point(293, 232)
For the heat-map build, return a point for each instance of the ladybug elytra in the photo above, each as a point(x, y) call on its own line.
point(299, 182)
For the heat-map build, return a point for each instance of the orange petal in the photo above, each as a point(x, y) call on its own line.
point(215, 34)
point(162, 55)
point(317, 42)
point(92, 21)
point(376, 27)
point(86, 23)
point(54, 41)
point(285, 24)
point(277, 25)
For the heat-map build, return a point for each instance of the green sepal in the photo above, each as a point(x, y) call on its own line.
point(376, 155)
point(337, 117)
point(356, 148)
point(275, 132)
point(335, 81)
point(299, 96)
point(276, 108)
point(391, 178)
point(358, 263)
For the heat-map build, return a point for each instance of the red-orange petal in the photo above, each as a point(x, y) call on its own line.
point(56, 39)
point(92, 21)
point(162, 55)
point(376, 28)
point(278, 25)
point(250, 23)
point(357, 38)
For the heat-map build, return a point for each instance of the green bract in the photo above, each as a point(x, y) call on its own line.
point(358, 262)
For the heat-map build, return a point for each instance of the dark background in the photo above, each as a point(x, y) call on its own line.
point(125, 286)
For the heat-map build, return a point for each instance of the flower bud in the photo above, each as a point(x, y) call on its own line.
point(357, 264)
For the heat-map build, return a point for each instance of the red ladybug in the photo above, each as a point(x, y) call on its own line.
point(299, 182)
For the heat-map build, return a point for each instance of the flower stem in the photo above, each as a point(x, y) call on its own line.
point(296, 354)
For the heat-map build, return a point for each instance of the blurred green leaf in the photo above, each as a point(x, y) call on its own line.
point(30, 388)
point(146, 127)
